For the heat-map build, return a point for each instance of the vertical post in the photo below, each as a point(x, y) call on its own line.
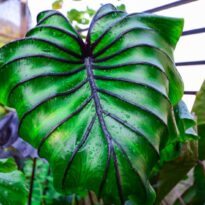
point(24, 20)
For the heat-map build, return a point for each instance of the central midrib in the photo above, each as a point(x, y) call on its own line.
point(99, 111)
point(98, 107)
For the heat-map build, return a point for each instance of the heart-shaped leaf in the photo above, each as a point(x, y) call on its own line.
point(97, 111)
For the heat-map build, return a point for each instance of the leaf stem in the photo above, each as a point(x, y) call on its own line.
point(32, 181)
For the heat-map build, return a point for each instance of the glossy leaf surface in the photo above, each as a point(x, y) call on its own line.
point(97, 111)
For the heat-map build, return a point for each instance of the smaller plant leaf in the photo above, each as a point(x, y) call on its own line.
point(180, 154)
point(12, 184)
point(57, 4)
point(90, 11)
point(199, 111)
point(121, 7)
point(7, 165)
point(195, 195)
point(43, 190)
point(199, 105)
point(78, 16)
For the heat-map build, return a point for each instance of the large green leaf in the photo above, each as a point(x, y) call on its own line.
point(97, 111)
point(12, 184)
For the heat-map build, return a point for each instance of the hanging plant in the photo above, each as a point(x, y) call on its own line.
point(97, 110)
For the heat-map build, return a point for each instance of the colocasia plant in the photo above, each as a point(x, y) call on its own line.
point(106, 113)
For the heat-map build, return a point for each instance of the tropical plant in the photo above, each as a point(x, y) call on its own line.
point(105, 113)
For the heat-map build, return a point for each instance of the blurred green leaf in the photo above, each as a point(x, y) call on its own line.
point(78, 16)
point(57, 4)
point(199, 111)
point(90, 11)
point(7, 165)
point(199, 106)
point(13, 189)
point(43, 190)
point(121, 7)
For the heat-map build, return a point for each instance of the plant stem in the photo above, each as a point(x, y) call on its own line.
point(32, 181)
